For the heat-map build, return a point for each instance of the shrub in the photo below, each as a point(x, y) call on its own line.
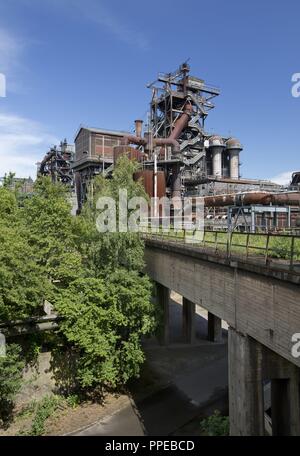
point(215, 425)
point(11, 370)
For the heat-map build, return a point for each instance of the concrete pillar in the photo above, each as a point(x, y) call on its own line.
point(188, 321)
point(285, 405)
point(214, 328)
point(163, 299)
point(246, 401)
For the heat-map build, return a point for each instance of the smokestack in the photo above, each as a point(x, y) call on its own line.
point(138, 128)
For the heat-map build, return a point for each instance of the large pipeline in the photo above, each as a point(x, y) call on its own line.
point(249, 198)
point(179, 126)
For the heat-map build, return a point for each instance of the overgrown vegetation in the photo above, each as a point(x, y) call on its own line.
point(42, 411)
point(278, 246)
point(215, 425)
point(36, 413)
point(93, 280)
point(11, 368)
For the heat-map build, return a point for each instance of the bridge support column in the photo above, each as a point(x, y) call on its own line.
point(214, 328)
point(188, 321)
point(285, 406)
point(246, 401)
point(163, 297)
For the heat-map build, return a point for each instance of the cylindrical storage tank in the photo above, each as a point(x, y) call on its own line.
point(130, 152)
point(147, 178)
point(216, 146)
point(234, 148)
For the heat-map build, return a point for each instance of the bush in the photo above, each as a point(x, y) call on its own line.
point(104, 321)
point(215, 425)
point(11, 370)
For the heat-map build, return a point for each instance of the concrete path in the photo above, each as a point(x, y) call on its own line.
point(123, 423)
point(191, 378)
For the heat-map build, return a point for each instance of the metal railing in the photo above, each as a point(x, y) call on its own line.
point(270, 249)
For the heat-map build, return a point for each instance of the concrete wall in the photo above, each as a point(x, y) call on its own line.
point(38, 381)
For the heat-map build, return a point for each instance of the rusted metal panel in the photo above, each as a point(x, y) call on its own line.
point(147, 179)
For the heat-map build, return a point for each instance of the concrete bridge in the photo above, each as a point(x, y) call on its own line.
point(261, 305)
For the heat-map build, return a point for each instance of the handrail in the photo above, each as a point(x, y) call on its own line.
point(283, 249)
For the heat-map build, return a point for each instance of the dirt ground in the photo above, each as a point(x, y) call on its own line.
point(84, 415)
point(67, 419)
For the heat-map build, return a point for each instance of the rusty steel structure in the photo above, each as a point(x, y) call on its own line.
point(196, 163)
point(200, 154)
point(178, 157)
point(57, 163)
point(175, 141)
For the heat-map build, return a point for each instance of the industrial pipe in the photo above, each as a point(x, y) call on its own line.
point(248, 198)
point(167, 142)
point(179, 126)
point(131, 139)
point(182, 122)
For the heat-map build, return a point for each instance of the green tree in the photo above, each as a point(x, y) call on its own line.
point(104, 252)
point(50, 227)
point(94, 279)
point(8, 180)
point(104, 320)
point(109, 310)
point(23, 284)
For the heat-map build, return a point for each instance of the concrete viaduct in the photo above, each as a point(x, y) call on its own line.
point(262, 308)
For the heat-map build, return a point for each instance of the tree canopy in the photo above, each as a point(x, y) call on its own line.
point(94, 280)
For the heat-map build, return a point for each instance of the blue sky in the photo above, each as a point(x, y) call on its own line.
point(69, 62)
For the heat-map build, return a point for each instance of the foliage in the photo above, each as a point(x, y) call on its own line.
point(22, 281)
point(73, 400)
point(107, 311)
point(42, 411)
point(94, 280)
point(215, 425)
point(104, 320)
point(47, 216)
point(8, 179)
point(8, 205)
point(11, 369)
point(104, 252)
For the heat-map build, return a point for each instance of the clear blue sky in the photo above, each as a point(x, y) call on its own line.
point(88, 61)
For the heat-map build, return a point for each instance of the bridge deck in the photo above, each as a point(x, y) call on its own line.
point(260, 300)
